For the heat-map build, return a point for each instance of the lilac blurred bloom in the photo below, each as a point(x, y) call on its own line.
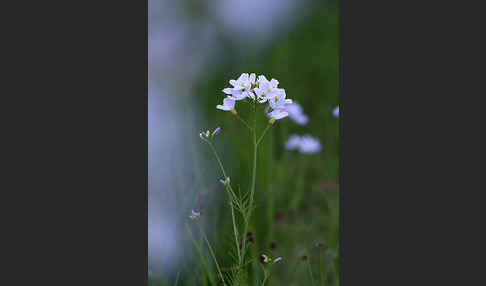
point(335, 112)
point(309, 145)
point(306, 144)
point(278, 259)
point(293, 142)
point(296, 113)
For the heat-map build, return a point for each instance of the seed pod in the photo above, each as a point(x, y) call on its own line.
point(273, 245)
point(320, 244)
point(303, 256)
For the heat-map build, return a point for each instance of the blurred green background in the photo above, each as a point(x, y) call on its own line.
point(296, 194)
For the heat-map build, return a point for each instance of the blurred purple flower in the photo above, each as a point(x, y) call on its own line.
point(309, 145)
point(296, 113)
point(293, 142)
point(306, 144)
point(335, 112)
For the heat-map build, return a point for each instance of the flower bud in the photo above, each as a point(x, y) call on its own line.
point(225, 182)
point(195, 215)
point(264, 259)
point(216, 131)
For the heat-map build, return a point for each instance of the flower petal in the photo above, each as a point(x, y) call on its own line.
point(228, 90)
point(252, 78)
point(274, 83)
point(243, 77)
point(229, 102)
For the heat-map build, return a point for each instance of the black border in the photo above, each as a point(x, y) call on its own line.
point(79, 211)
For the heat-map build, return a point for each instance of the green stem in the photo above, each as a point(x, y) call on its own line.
point(300, 184)
point(177, 278)
point(230, 194)
point(201, 256)
point(310, 271)
point(212, 254)
point(265, 278)
point(217, 157)
point(242, 120)
point(320, 268)
point(235, 229)
point(263, 134)
point(252, 190)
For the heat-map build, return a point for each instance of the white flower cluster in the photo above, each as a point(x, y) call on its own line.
point(261, 90)
point(306, 144)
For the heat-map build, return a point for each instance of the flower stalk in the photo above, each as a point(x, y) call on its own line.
point(249, 90)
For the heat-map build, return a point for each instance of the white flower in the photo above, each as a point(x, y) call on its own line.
point(293, 142)
point(242, 87)
point(335, 112)
point(277, 114)
point(309, 145)
point(263, 91)
point(278, 101)
point(228, 104)
point(296, 113)
point(266, 89)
